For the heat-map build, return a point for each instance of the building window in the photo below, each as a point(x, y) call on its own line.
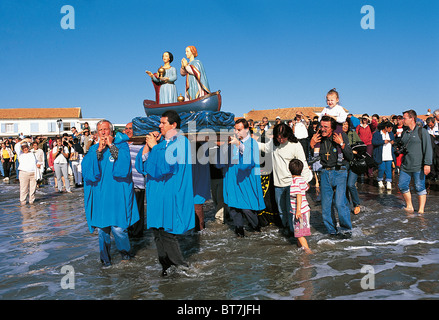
point(34, 128)
point(66, 126)
point(9, 127)
point(51, 127)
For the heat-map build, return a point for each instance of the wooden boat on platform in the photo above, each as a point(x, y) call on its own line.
point(210, 102)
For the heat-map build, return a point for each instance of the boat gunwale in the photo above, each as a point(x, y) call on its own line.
point(178, 104)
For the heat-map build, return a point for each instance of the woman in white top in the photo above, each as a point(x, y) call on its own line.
point(284, 148)
point(28, 167)
point(60, 164)
point(39, 155)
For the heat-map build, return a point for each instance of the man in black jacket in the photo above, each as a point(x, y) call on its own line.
point(334, 175)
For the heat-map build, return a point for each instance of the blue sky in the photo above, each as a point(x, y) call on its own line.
point(261, 54)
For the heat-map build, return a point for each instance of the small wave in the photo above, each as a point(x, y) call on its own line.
point(359, 247)
point(404, 242)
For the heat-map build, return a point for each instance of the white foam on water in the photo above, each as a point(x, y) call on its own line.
point(404, 242)
point(359, 247)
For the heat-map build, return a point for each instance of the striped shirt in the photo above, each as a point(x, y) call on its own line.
point(138, 178)
point(299, 186)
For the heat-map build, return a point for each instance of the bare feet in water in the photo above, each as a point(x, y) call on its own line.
point(409, 209)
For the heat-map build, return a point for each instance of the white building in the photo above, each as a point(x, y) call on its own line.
point(47, 122)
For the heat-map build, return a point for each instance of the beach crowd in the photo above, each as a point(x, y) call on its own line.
point(259, 177)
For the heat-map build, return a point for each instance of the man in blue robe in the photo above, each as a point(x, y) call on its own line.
point(166, 161)
point(108, 191)
point(242, 182)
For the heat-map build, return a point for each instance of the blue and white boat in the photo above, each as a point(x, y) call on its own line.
point(210, 102)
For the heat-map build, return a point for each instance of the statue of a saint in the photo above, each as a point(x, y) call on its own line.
point(166, 91)
point(196, 81)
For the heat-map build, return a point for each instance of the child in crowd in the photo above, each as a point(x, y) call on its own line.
point(299, 205)
point(334, 110)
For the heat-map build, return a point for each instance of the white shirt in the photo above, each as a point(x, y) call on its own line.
point(60, 158)
point(27, 161)
point(282, 155)
point(337, 112)
point(39, 155)
point(300, 130)
point(387, 147)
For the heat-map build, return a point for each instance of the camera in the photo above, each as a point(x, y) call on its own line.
point(400, 149)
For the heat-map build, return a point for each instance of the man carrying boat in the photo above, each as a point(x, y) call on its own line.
point(166, 160)
point(242, 181)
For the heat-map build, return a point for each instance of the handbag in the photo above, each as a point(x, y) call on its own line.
point(74, 156)
point(362, 160)
point(359, 166)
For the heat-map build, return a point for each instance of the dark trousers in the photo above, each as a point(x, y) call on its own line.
point(305, 145)
point(168, 249)
point(136, 230)
point(238, 215)
point(6, 167)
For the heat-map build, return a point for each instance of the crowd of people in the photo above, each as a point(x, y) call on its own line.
point(30, 158)
point(259, 177)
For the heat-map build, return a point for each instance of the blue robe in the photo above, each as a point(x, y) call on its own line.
point(168, 90)
point(242, 187)
point(108, 187)
point(169, 191)
point(196, 84)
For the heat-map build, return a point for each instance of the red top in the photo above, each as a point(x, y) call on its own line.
point(365, 134)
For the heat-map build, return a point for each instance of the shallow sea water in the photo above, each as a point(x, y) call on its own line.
point(396, 252)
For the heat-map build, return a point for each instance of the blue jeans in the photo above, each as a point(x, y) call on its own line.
point(282, 196)
point(335, 179)
point(419, 179)
point(17, 171)
point(122, 243)
point(385, 167)
point(352, 179)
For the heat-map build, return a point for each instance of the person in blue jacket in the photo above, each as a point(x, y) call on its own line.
point(108, 191)
point(166, 162)
point(242, 189)
point(383, 152)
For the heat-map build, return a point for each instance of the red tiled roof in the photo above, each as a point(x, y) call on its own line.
point(283, 113)
point(40, 113)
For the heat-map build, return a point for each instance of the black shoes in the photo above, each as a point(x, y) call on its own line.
point(240, 232)
point(341, 235)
